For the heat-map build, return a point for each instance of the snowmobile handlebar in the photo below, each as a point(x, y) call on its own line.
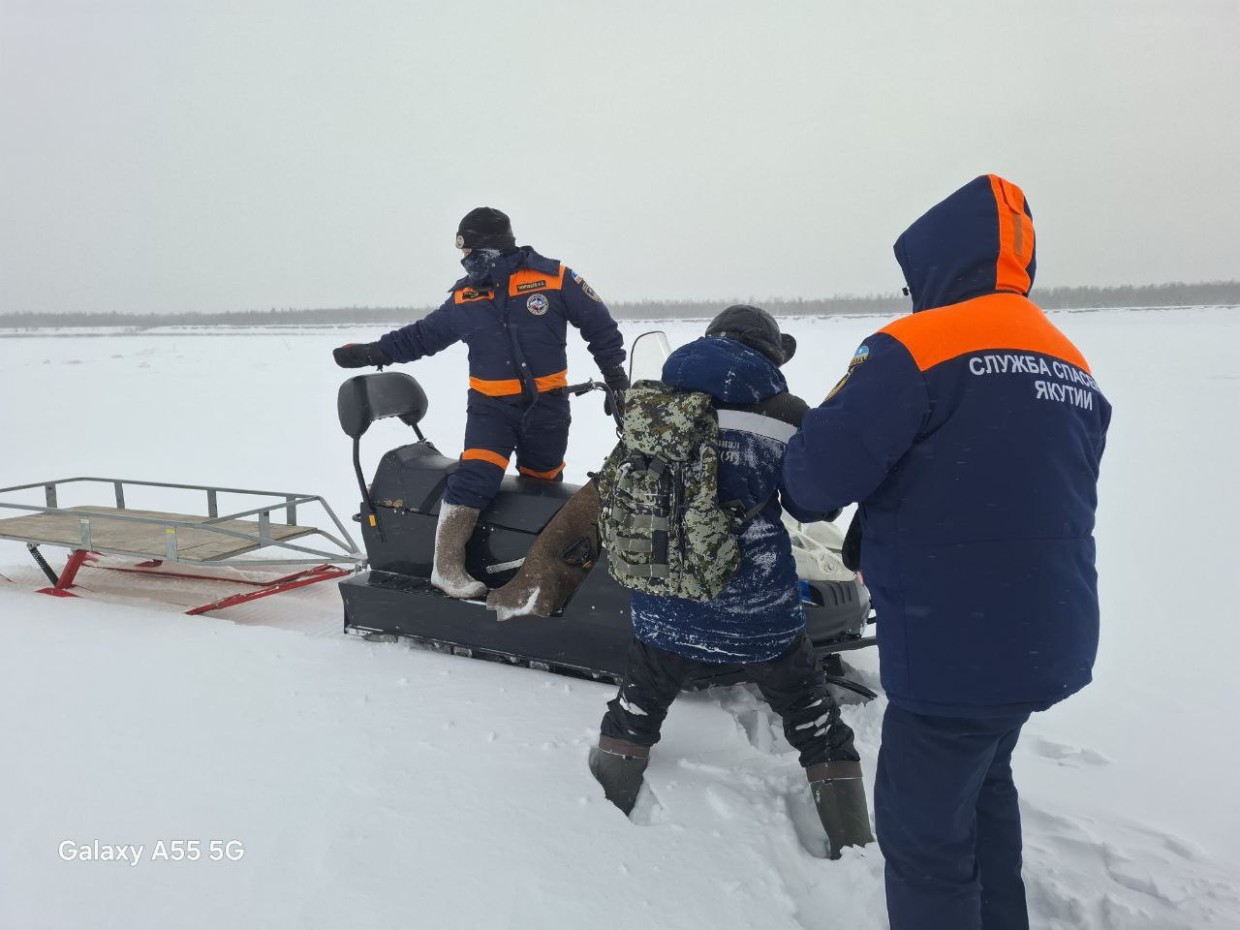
point(585, 387)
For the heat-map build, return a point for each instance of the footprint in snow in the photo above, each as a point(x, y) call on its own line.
point(761, 725)
point(1081, 873)
point(1065, 754)
point(724, 801)
point(805, 822)
point(648, 812)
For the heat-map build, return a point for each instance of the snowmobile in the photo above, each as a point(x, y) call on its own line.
point(588, 633)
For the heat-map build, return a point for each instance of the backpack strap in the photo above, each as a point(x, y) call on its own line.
point(654, 570)
point(746, 515)
point(641, 521)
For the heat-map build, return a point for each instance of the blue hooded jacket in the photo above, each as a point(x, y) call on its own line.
point(758, 614)
point(971, 434)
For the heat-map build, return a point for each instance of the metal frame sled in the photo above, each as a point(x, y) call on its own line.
point(156, 537)
point(590, 635)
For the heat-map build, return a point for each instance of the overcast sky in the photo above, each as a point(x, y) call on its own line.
point(172, 155)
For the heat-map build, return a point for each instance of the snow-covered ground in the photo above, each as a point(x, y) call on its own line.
point(376, 785)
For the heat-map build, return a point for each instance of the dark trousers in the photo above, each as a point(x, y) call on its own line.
point(792, 684)
point(495, 428)
point(948, 822)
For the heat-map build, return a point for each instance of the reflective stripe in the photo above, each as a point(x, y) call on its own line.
point(551, 382)
point(507, 387)
point(1015, 237)
point(485, 455)
point(545, 475)
point(756, 423)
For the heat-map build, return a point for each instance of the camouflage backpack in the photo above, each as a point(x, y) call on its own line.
point(660, 520)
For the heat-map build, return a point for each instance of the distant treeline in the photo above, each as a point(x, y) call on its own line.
point(1177, 294)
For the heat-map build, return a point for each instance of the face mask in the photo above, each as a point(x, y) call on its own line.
point(478, 264)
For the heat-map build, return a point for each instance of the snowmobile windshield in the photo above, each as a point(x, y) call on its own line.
point(647, 355)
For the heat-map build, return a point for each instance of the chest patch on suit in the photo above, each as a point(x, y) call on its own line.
point(536, 304)
point(466, 294)
point(531, 286)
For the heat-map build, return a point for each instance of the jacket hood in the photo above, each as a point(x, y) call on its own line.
point(727, 370)
point(977, 241)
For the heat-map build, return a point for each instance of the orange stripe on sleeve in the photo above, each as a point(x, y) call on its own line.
point(1015, 237)
point(485, 455)
point(993, 321)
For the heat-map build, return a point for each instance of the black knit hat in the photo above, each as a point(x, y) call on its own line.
point(485, 228)
point(754, 327)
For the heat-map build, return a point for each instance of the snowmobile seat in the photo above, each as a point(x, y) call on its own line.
point(366, 398)
point(413, 478)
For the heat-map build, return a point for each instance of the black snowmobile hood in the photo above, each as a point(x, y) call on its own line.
point(977, 241)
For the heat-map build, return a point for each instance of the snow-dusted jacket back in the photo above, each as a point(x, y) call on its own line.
point(971, 434)
point(758, 614)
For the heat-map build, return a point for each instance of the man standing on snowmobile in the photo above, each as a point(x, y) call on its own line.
point(970, 433)
point(512, 309)
point(757, 620)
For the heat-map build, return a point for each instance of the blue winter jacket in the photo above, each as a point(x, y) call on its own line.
point(516, 328)
point(971, 434)
point(758, 614)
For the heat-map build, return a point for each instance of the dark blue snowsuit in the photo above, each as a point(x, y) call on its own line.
point(516, 328)
point(970, 433)
point(757, 620)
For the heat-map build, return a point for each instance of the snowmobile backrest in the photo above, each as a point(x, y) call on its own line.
point(367, 398)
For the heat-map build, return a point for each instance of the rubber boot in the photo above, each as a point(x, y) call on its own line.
point(556, 564)
point(456, 525)
point(839, 795)
point(618, 766)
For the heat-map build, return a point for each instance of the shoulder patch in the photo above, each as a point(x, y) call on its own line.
point(838, 384)
point(860, 356)
point(585, 288)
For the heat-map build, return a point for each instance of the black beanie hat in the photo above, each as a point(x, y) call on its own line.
point(485, 228)
point(754, 327)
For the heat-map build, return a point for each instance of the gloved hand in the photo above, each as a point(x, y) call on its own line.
point(850, 555)
point(359, 356)
point(618, 382)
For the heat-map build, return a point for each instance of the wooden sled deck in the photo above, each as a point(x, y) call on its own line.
point(145, 535)
point(267, 530)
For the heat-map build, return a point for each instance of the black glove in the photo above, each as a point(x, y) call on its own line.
point(617, 382)
point(359, 356)
point(851, 553)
